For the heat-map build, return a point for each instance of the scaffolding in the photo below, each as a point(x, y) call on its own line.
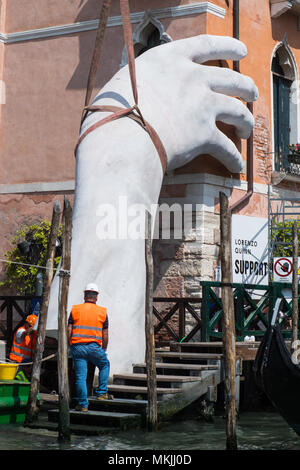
point(282, 213)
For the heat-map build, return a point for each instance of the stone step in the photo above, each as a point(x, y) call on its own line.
point(139, 392)
point(194, 370)
point(162, 381)
point(79, 429)
point(211, 344)
point(244, 350)
point(120, 405)
point(197, 346)
point(186, 357)
point(123, 421)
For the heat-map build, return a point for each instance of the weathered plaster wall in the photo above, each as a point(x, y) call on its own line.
point(46, 80)
point(45, 13)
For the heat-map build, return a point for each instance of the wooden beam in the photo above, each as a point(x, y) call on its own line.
point(32, 409)
point(64, 434)
point(228, 326)
point(149, 330)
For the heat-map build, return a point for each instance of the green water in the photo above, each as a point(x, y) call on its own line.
point(256, 431)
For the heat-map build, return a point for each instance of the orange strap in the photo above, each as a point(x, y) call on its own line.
point(104, 14)
point(129, 112)
point(133, 112)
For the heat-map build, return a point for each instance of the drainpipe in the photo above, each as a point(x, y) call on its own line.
point(236, 67)
point(236, 28)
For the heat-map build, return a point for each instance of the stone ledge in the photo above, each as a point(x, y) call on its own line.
point(277, 177)
point(90, 25)
point(279, 7)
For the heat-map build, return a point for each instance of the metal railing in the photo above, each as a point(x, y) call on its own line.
point(253, 311)
point(287, 163)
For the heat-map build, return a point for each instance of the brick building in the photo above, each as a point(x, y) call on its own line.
point(45, 53)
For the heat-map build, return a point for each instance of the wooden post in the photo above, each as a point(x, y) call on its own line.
point(228, 327)
point(41, 331)
point(150, 340)
point(62, 364)
point(295, 287)
point(9, 327)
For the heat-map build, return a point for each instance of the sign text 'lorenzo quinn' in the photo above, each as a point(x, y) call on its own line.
point(249, 250)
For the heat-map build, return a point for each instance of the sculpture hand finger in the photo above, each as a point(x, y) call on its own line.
point(224, 150)
point(232, 111)
point(204, 47)
point(229, 82)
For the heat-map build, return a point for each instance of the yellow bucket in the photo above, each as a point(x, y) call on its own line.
point(8, 371)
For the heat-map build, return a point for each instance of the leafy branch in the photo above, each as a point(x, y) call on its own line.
point(20, 277)
point(282, 237)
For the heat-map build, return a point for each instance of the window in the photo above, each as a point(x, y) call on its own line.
point(148, 33)
point(150, 38)
point(285, 109)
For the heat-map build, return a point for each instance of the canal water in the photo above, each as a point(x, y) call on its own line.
point(256, 431)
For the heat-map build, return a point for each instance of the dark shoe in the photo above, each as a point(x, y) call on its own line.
point(81, 408)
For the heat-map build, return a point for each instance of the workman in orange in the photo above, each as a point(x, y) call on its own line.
point(88, 337)
point(24, 342)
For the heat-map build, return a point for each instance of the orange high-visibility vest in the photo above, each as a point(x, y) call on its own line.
point(23, 350)
point(88, 319)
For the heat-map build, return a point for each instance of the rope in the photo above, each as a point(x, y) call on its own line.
point(118, 112)
point(8, 361)
point(104, 14)
point(64, 272)
point(25, 264)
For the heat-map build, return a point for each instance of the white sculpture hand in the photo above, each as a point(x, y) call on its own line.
point(182, 100)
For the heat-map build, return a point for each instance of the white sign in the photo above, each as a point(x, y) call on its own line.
point(250, 250)
point(283, 269)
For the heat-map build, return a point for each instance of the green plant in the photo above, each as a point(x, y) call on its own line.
point(18, 276)
point(282, 238)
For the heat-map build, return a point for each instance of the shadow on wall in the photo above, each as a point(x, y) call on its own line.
point(113, 42)
point(287, 24)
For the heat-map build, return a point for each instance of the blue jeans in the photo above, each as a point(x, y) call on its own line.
point(82, 354)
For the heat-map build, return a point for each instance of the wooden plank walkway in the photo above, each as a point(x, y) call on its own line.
point(161, 366)
point(245, 350)
point(183, 376)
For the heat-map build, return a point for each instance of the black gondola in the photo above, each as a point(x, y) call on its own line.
point(277, 375)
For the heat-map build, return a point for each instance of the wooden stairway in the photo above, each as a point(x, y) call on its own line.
point(182, 377)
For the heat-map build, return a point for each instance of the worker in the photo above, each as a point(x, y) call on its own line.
point(88, 337)
point(23, 347)
point(24, 341)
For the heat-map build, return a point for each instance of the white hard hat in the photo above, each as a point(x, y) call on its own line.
point(92, 288)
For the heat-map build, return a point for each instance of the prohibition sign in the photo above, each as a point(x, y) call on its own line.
point(283, 267)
